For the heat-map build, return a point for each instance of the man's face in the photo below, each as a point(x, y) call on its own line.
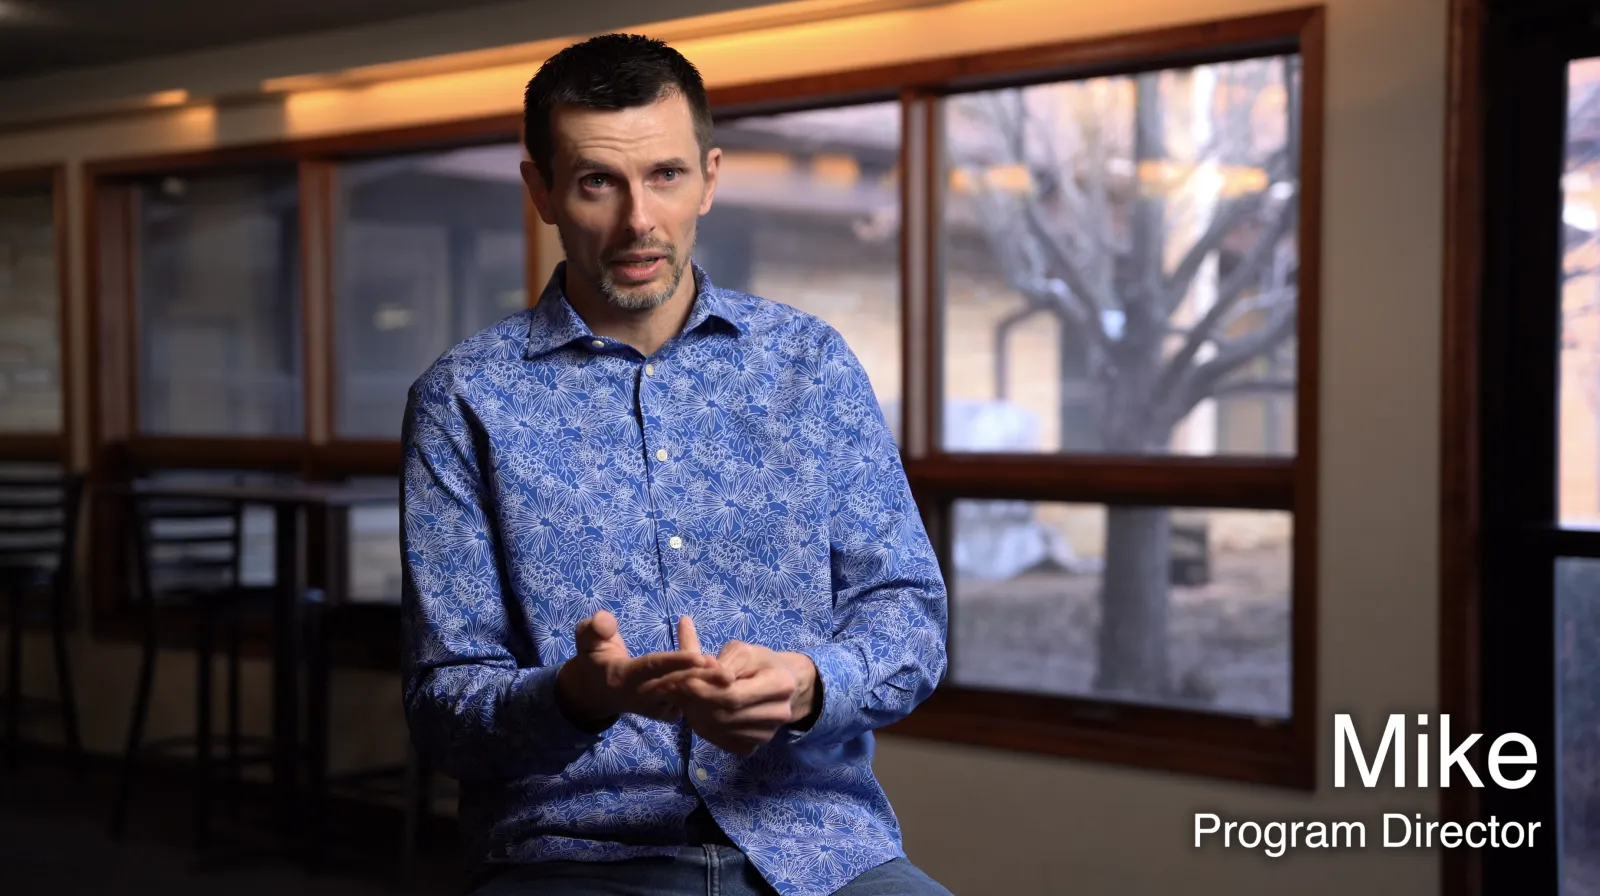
point(626, 193)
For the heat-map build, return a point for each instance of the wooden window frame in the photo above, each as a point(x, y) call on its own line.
point(1266, 751)
point(1500, 528)
point(119, 451)
point(39, 446)
point(1280, 753)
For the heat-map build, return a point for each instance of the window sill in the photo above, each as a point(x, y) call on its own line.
point(1272, 752)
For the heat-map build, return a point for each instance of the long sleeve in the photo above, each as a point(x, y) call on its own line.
point(474, 701)
point(887, 653)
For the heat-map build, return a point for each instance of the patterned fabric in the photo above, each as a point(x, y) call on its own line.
point(742, 475)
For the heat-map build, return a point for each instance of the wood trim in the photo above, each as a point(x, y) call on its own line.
point(110, 284)
point(32, 447)
point(1308, 391)
point(1182, 44)
point(356, 457)
point(318, 334)
point(448, 134)
point(32, 177)
point(145, 453)
point(916, 295)
point(66, 354)
point(1238, 748)
point(1163, 481)
point(933, 258)
point(1461, 871)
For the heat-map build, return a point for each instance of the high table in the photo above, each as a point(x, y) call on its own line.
point(291, 503)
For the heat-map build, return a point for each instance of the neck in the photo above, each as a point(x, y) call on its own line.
point(645, 329)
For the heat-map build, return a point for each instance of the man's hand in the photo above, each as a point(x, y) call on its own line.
point(602, 681)
point(743, 699)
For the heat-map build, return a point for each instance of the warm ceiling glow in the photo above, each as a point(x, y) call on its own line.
point(675, 31)
point(839, 170)
point(168, 98)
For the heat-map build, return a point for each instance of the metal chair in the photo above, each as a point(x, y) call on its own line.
point(38, 537)
point(186, 556)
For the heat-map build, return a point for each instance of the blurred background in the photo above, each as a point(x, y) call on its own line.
point(1246, 371)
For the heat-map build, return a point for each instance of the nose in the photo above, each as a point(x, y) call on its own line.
point(641, 219)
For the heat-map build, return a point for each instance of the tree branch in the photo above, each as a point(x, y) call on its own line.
point(1228, 293)
point(1203, 379)
point(1252, 387)
point(1078, 293)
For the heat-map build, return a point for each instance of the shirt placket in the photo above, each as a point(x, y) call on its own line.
point(660, 455)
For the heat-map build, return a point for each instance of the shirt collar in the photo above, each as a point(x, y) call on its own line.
point(554, 324)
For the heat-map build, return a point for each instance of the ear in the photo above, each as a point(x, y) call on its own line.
point(538, 192)
point(713, 161)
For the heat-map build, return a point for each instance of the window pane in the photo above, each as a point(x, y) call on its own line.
point(30, 343)
point(1177, 607)
point(431, 249)
point(1578, 721)
point(374, 575)
point(1120, 263)
point(219, 306)
point(807, 213)
point(1580, 332)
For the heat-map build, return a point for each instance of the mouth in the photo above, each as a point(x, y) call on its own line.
point(638, 267)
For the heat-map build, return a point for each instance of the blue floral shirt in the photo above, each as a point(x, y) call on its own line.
point(742, 475)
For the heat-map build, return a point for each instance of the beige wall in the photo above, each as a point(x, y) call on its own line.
point(986, 821)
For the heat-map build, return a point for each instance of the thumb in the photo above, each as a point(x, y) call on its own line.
point(595, 631)
point(688, 638)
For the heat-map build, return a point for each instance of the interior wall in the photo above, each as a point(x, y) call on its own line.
point(987, 821)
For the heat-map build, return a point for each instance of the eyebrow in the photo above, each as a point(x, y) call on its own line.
point(586, 164)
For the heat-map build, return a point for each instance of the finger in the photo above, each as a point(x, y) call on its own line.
point(655, 665)
point(688, 638)
point(765, 717)
point(727, 698)
point(595, 631)
point(766, 686)
point(744, 660)
point(712, 675)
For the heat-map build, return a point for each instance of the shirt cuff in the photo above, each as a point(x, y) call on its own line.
point(535, 702)
point(842, 674)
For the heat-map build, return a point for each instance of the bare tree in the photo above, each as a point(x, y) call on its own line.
point(1115, 232)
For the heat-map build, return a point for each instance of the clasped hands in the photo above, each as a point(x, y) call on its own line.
point(738, 699)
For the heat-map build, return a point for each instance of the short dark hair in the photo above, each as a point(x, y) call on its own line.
point(611, 71)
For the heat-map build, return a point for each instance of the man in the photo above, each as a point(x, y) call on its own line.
point(664, 575)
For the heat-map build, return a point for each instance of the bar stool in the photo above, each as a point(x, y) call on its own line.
point(186, 555)
point(38, 535)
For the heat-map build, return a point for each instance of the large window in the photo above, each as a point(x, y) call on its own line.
point(218, 305)
point(1100, 283)
point(430, 248)
point(1534, 651)
point(283, 299)
point(822, 184)
point(1084, 292)
point(30, 296)
point(1119, 262)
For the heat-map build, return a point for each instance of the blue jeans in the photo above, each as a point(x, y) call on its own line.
point(694, 871)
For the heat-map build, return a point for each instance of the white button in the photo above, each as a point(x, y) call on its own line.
point(676, 542)
point(701, 774)
point(599, 343)
point(649, 370)
point(661, 454)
